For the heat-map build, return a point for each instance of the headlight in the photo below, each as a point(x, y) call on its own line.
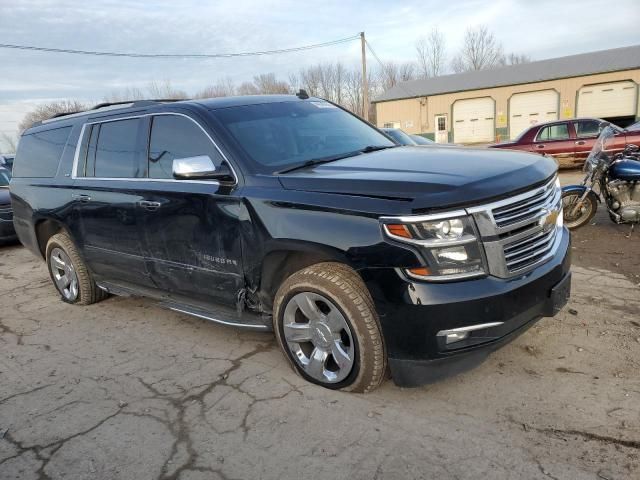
point(448, 244)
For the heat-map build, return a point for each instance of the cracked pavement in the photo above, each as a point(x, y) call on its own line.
point(126, 390)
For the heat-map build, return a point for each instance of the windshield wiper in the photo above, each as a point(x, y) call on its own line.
point(333, 158)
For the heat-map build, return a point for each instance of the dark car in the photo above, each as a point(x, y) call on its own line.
point(420, 140)
point(568, 141)
point(6, 161)
point(399, 136)
point(292, 214)
point(7, 232)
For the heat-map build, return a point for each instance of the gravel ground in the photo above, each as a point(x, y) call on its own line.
point(125, 390)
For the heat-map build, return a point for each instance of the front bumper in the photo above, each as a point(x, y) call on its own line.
point(413, 313)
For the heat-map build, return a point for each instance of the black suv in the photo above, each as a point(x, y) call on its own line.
point(290, 213)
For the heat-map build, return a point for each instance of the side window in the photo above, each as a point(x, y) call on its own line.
point(173, 136)
point(116, 149)
point(39, 153)
point(559, 131)
point(587, 128)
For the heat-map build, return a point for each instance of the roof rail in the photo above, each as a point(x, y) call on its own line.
point(138, 103)
point(128, 103)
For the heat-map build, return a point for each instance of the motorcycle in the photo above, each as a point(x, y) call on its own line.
point(612, 179)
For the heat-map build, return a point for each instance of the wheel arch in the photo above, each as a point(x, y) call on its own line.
point(283, 260)
point(46, 228)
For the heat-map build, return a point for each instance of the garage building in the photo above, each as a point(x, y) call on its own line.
point(492, 105)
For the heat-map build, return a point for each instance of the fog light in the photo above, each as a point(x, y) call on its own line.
point(454, 337)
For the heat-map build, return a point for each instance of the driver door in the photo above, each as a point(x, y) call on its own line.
point(190, 228)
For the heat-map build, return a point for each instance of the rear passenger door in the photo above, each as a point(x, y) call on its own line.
point(191, 228)
point(107, 192)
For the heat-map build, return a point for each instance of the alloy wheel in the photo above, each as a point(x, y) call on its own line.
point(64, 274)
point(319, 337)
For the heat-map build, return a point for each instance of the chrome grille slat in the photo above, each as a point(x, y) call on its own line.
point(517, 235)
point(532, 208)
point(533, 251)
point(523, 203)
point(543, 240)
point(521, 211)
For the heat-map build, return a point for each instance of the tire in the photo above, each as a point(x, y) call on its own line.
point(342, 323)
point(86, 291)
point(582, 217)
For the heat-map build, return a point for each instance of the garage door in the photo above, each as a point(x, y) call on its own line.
point(607, 100)
point(526, 109)
point(473, 120)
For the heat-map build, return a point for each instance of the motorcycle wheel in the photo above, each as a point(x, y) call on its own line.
point(582, 215)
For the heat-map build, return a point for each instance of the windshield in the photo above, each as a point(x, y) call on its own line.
point(5, 176)
point(603, 143)
point(278, 136)
point(399, 136)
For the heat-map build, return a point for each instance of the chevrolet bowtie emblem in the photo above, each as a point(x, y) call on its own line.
point(548, 219)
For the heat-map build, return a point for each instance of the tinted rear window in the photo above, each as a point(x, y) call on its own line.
point(39, 153)
point(116, 150)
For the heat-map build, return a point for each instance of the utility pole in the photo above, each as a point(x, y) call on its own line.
point(365, 85)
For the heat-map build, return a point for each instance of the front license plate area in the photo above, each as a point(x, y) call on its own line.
point(560, 294)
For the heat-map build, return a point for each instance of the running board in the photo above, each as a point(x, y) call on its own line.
point(223, 316)
point(213, 313)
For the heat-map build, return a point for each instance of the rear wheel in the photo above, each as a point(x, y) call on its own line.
point(69, 274)
point(576, 212)
point(327, 327)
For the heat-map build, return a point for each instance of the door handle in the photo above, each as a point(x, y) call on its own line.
point(81, 197)
point(147, 205)
point(580, 142)
point(540, 146)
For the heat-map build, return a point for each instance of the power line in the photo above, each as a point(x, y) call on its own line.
point(178, 55)
point(382, 65)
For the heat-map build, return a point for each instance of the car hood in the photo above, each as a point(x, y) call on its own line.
point(430, 178)
point(5, 198)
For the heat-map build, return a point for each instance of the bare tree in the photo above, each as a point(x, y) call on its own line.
point(222, 88)
point(515, 59)
point(164, 90)
point(47, 110)
point(430, 51)
point(480, 51)
point(391, 73)
point(267, 83)
point(248, 88)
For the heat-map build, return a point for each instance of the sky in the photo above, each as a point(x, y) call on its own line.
point(541, 29)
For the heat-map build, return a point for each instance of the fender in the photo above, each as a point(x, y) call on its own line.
point(580, 189)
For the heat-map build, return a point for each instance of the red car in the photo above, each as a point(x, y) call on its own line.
point(568, 141)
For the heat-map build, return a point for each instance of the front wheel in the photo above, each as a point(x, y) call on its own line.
point(327, 326)
point(576, 212)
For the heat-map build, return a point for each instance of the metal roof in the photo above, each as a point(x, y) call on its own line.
point(616, 59)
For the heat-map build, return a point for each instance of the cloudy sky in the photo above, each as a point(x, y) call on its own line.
point(541, 29)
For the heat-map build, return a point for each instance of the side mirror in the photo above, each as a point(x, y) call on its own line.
point(199, 168)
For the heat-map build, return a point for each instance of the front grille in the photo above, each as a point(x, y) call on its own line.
point(530, 250)
point(6, 213)
point(527, 209)
point(521, 232)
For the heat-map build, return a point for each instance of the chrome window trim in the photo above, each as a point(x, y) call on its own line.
point(74, 169)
